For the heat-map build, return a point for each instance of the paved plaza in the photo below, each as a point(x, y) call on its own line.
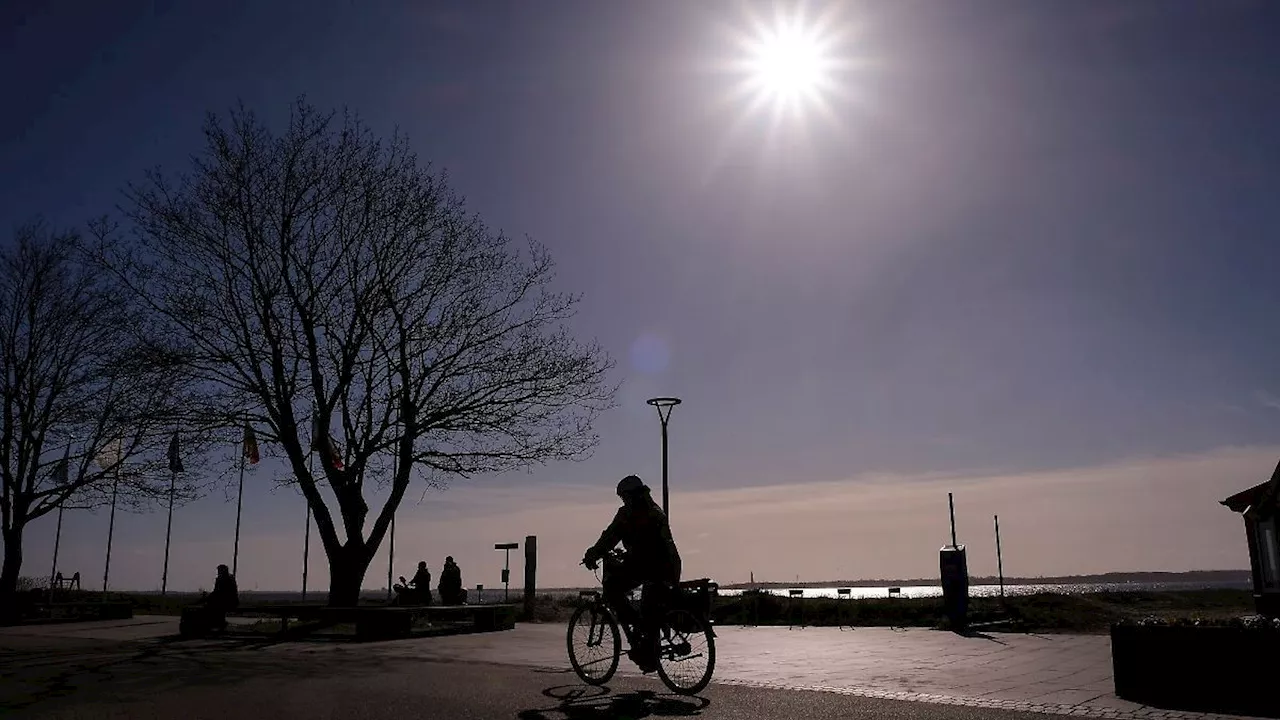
point(1057, 674)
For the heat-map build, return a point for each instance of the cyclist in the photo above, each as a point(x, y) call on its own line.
point(651, 560)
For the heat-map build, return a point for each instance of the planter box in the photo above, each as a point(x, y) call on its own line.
point(1205, 669)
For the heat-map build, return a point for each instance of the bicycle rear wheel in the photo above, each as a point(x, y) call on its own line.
point(686, 652)
point(594, 644)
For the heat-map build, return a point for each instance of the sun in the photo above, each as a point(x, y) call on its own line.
point(789, 62)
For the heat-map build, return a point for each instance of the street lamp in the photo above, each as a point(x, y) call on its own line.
point(664, 405)
point(506, 567)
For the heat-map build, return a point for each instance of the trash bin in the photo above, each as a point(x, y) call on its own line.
point(955, 584)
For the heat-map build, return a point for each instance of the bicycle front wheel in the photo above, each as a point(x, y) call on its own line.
point(686, 652)
point(594, 644)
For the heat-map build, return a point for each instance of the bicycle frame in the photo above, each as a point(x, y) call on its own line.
point(595, 633)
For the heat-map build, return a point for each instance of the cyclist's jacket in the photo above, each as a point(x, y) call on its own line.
point(645, 534)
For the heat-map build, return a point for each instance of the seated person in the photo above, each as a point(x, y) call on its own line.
point(451, 592)
point(418, 590)
point(225, 596)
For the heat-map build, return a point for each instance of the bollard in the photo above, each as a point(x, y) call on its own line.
point(530, 574)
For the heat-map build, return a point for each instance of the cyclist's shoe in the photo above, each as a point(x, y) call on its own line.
point(645, 660)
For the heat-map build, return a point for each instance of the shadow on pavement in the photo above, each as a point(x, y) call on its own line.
point(133, 670)
point(579, 702)
point(980, 635)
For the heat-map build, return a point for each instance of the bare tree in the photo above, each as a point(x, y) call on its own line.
point(88, 402)
point(322, 283)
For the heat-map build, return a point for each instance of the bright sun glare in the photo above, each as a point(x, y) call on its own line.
point(788, 63)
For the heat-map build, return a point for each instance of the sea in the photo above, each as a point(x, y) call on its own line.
point(927, 591)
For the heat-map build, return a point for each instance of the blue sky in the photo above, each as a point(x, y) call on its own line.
point(1029, 238)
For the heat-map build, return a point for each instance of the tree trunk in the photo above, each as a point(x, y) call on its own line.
point(9, 574)
point(346, 574)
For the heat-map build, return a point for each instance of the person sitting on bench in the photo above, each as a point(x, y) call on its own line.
point(225, 596)
point(418, 590)
point(451, 592)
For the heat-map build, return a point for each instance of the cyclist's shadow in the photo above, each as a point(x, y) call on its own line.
point(584, 702)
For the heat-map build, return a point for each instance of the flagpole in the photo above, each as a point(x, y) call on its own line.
point(111, 529)
point(235, 553)
point(306, 543)
point(57, 540)
point(391, 549)
point(168, 533)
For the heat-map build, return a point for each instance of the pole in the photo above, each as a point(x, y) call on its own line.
point(660, 404)
point(306, 542)
point(57, 540)
point(506, 577)
point(665, 509)
point(999, 558)
point(951, 504)
point(306, 551)
point(168, 532)
point(391, 554)
point(111, 531)
point(235, 553)
point(391, 548)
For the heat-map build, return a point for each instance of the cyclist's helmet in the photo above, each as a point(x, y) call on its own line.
point(631, 484)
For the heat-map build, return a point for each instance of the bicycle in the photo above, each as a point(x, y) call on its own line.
point(685, 644)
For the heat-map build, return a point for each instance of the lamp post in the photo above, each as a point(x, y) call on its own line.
point(506, 567)
point(664, 405)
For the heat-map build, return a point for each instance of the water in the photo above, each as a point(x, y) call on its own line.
point(927, 591)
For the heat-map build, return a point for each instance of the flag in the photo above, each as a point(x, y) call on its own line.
point(175, 459)
point(335, 455)
point(250, 445)
point(109, 454)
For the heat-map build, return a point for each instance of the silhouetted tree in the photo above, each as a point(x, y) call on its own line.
point(320, 281)
point(80, 385)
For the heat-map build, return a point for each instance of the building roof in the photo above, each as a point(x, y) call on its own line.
point(1259, 493)
point(1242, 500)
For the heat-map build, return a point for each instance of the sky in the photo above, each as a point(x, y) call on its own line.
point(1019, 251)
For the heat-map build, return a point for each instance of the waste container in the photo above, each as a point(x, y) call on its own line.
point(955, 584)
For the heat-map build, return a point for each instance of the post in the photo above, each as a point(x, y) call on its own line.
point(235, 553)
point(952, 506)
point(57, 540)
point(999, 558)
point(111, 531)
point(168, 533)
point(530, 574)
